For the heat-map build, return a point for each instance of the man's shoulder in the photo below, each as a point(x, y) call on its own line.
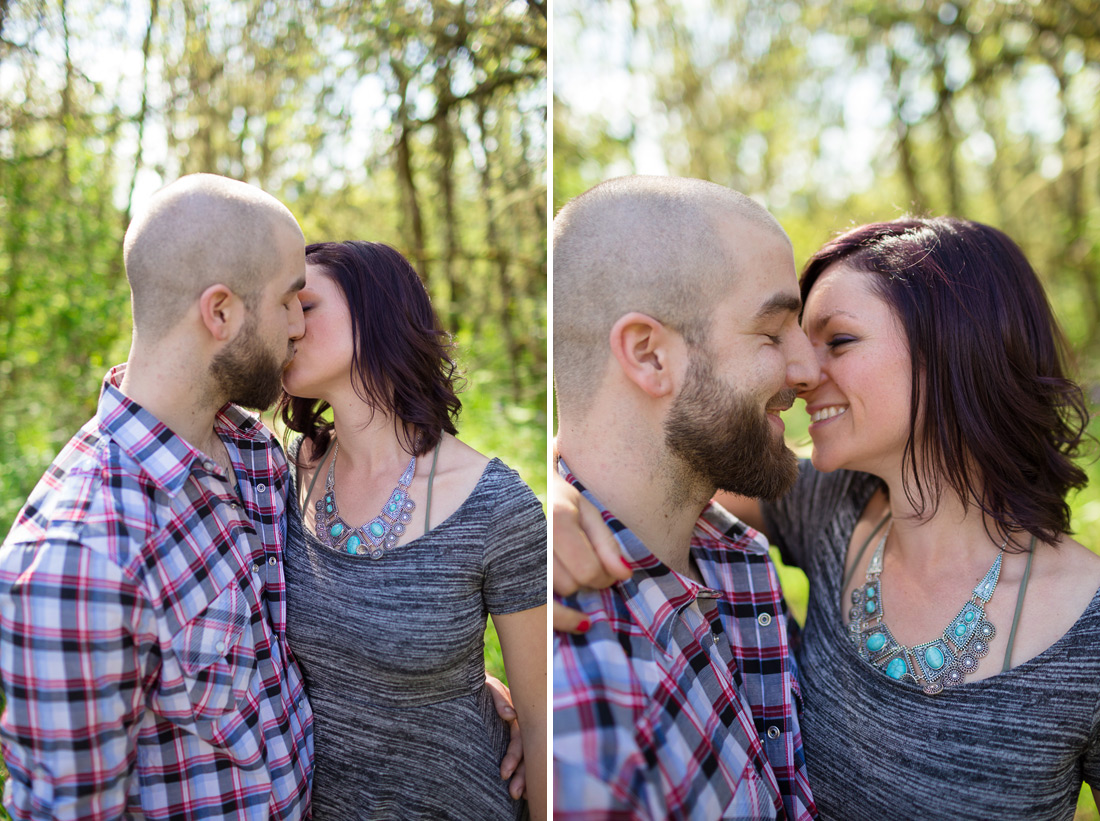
point(93, 495)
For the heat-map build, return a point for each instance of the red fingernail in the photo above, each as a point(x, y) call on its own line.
point(584, 625)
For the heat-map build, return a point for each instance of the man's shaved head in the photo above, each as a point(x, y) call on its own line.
point(200, 231)
point(657, 245)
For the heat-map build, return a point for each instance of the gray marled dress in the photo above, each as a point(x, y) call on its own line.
point(1013, 746)
point(392, 654)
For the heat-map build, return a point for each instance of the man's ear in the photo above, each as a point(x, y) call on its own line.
point(646, 350)
point(221, 311)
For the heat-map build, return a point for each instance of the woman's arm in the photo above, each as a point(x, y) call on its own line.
point(523, 643)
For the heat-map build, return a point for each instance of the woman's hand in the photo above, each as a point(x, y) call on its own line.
point(586, 555)
point(513, 764)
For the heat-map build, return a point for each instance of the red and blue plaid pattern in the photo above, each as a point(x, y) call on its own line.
point(143, 651)
point(681, 700)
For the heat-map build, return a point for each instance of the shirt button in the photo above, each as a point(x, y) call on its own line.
point(714, 636)
point(256, 569)
point(234, 505)
point(271, 561)
point(220, 647)
point(773, 732)
point(208, 465)
point(261, 487)
point(764, 619)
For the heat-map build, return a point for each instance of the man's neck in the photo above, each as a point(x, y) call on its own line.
point(633, 484)
point(168, 390)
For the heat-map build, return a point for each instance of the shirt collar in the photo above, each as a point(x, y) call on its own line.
point(162, 455)
point(656, 592)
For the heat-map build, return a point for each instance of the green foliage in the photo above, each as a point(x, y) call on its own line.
point(494, 659)
point(833, 114)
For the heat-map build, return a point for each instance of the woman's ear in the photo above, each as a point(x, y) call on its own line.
point(646, 351)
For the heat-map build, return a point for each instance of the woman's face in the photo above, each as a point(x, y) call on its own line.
point(859, 410)
point(322, 359)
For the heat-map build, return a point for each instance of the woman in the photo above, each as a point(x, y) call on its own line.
point(951, 652)
point(411, 537)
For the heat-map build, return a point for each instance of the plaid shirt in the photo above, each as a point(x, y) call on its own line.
point(681, 700)
point(143, 630)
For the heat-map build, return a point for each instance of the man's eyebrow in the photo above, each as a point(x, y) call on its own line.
point(298, 285)
point(779, 304)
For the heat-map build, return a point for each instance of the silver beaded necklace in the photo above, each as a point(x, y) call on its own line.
point(942, 662)
point(376, 536)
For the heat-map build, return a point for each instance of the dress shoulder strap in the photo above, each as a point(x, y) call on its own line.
point(316, 473)
point(862, 550)
point(1019, 606)
point(431, 479)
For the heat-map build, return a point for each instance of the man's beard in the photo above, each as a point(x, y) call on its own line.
point(724, 438)
point(248, 373)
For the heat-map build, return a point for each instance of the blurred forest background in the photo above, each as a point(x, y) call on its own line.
point(419, 123)
point(834, 113)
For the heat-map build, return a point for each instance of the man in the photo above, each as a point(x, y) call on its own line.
point(143, 650)
point(676, 344)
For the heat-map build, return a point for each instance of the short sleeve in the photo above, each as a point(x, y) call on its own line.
point(515, 550)
point(793, 522)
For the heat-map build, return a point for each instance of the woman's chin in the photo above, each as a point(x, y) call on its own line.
point(821, 461)
point(290, 385)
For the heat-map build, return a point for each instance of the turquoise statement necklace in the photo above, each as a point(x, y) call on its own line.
point(376, 536)
point(943, 662)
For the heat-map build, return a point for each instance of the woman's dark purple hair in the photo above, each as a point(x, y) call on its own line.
point(401, 358)
point(1001, 421)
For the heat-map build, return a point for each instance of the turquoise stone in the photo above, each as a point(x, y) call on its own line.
point(336, 530)
point(869, 606)
point(896, 669)
point(870, 592)
point(933, 657)
point(876, 642)
point(393, 507)
point(960, 629)
point(353, 543)
point(377, 529)
point(970, 615)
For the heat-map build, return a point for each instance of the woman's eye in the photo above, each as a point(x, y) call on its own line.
point(837, 341)
point(306, 307)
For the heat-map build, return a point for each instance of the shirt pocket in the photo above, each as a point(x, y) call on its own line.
point(217, 655)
